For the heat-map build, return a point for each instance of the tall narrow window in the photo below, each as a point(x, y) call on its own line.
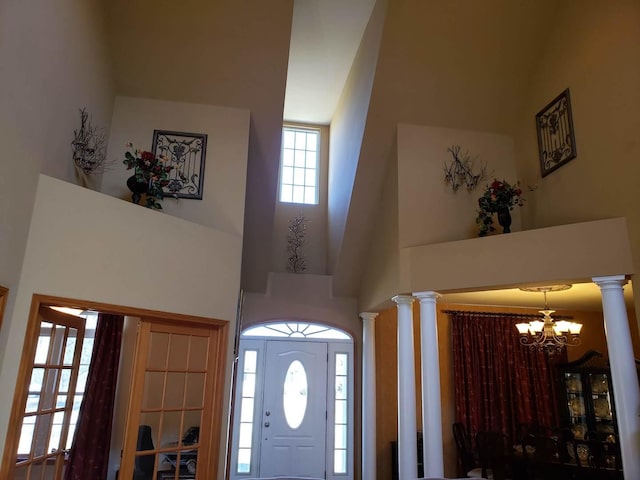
point(341, 418)
point(299, 168)
point(247, 407)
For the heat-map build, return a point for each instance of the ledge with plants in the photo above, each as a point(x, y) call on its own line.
point(499, 197)
point(151, 175)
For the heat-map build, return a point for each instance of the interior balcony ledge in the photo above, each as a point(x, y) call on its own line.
point(575, 252)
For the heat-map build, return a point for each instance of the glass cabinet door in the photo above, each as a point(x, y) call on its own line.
point(601, 402)
point(576, 403)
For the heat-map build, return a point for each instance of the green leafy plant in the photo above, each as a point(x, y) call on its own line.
point(151, 170)
point(498, 196)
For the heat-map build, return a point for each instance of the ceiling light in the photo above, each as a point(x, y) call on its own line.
point(547, 334)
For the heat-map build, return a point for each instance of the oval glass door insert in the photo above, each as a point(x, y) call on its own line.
point(294, 398)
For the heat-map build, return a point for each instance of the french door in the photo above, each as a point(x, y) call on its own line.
point(44, 436)
point(176, 381)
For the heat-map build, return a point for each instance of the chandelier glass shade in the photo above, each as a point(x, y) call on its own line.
point(546, 333)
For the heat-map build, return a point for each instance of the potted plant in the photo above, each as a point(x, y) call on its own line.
point(499, 197)
point(151, 174)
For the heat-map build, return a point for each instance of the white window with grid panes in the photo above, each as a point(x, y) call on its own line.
point(299, 165)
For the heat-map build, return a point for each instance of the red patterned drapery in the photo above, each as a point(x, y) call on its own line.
point(89, 456)
point(498, 382)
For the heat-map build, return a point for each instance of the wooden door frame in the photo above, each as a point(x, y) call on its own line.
point(9, 456)
point(4, 293)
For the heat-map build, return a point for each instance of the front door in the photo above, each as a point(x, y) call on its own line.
point(294, 413)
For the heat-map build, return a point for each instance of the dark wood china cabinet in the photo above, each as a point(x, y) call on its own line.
point(586, 398)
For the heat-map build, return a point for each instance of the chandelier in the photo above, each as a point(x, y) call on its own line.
point(548, 334)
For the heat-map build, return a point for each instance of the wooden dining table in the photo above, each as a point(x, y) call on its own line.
point(575, 460)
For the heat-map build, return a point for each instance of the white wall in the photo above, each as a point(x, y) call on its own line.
point(90, 246)
point(225, 171)
point(429, 210)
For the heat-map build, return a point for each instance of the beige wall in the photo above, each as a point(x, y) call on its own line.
point(54, 62)
point(301, 297)
point(347, 130)
point(315, 242)
point(594, 50)
point(124, 256)
point(381, 278)
point(225, 170)
point(386, 375)
point(429, 210)
point(223, 53)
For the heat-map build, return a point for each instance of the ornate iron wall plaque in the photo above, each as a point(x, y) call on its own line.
point(556, 139)
point(186, 152)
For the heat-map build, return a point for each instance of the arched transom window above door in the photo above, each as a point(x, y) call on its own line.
point(295, 330)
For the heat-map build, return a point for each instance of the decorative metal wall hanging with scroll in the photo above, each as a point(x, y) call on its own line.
point(556, 139)
point(186, 152)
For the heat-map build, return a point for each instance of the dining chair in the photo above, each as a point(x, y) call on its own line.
point(467, 456)
point(494, 454)
point(144, 464)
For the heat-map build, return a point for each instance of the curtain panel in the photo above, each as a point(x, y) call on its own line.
point(499, 383)
point(89, 455)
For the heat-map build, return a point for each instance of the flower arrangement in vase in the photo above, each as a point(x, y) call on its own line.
point(499, 197)
point(151, 175)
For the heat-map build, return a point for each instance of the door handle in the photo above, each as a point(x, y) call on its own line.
point(267, 413)
point(266, 424)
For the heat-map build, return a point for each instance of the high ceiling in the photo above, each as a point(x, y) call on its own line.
point(324, 38)
point(457, 63)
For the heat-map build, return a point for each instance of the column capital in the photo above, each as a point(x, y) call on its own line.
point(428, 295)
point(403, 299)
point(611, 281)
point(368, 315)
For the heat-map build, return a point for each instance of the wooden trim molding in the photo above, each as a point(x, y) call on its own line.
point(217, 365)
point(4, 293)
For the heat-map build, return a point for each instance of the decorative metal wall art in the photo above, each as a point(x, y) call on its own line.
point(462, 170)
point(185, 152)
point(556, 139)
point(89, 146)
point(296, 261)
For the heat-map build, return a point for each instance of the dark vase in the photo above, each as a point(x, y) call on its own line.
point(504, 219)
point(137, 187)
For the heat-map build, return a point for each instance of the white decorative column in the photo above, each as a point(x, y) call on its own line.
point(623, 371)
point(368, 395)
point(407, 439)
point(432, 452)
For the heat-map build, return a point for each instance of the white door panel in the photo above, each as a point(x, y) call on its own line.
point(294, 409)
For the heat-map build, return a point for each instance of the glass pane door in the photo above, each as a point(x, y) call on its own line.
point(602, 403)
point(171, 400)
point(44, 435)
point(576, 404)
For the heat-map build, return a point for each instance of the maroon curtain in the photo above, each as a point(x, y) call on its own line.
point(89, 456)
point(498, 382)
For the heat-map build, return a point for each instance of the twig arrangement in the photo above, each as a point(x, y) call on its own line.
point(460, 171)
point(296, 261)
point(89, 147)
